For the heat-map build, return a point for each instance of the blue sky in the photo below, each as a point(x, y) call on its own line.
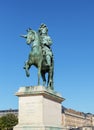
point(71, 27)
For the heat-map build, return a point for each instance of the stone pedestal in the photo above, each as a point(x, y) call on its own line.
point(39, 109)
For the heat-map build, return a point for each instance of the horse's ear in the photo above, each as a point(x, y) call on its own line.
point(28, 29)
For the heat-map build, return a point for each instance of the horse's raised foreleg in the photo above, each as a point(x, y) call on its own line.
point(27, 67)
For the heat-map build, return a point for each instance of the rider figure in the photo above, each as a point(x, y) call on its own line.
point(46, 42)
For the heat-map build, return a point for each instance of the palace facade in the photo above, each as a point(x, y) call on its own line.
point(76, 119)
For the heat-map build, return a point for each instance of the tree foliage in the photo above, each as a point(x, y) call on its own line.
point(8, 121)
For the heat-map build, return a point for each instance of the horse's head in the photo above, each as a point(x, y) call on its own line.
point(30, 36)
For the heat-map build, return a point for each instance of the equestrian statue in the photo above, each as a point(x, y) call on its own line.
point(41, 55)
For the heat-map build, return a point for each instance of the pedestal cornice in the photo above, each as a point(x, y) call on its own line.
point(39, 90)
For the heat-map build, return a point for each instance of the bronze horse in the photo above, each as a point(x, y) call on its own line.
point(37, 59)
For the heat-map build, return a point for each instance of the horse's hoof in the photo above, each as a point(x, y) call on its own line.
point(44, 83)
point(24, 67)
point(27, 74)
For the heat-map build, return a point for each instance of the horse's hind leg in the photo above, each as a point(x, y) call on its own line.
point(39, 73)
point(43, 78)
point(50, 84)
point(50, 78)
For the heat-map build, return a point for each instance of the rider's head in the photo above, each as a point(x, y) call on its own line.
point(43, 29)
point(43, 25)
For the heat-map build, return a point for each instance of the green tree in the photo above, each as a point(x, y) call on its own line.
point(8, 121)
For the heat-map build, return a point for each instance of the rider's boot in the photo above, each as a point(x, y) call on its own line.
point(48, 60)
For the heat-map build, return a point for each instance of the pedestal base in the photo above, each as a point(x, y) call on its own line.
point(28, 127)
point(39, 109)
